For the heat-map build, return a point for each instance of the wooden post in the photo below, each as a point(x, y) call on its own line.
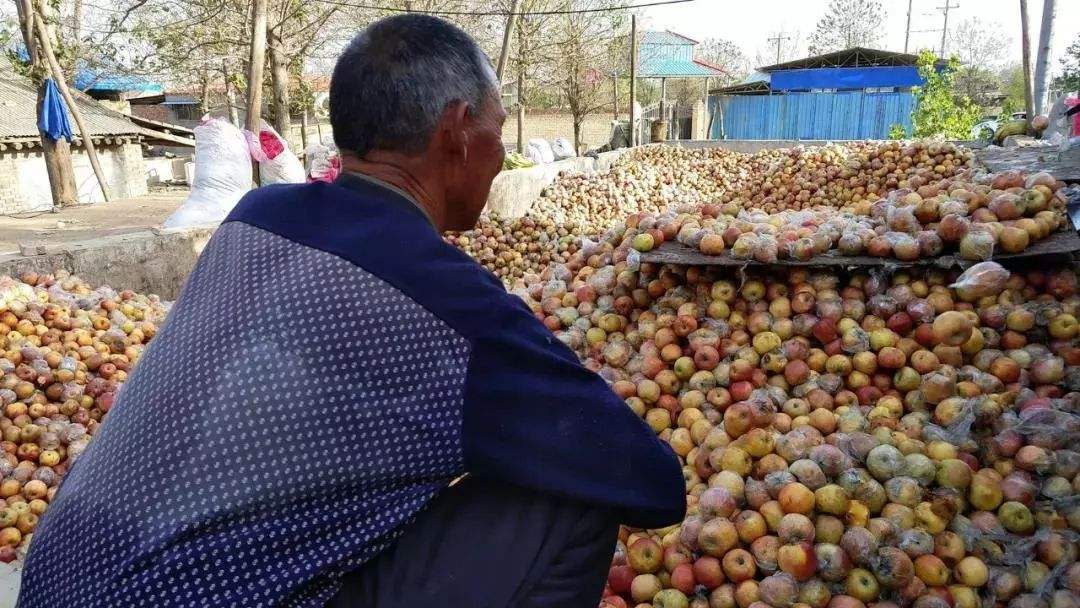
point(255, 71)
point(507, 33)
point(76, 113)
point(1029, 105)
point(634, 135)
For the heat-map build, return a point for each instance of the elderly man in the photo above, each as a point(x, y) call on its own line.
point(290, 437)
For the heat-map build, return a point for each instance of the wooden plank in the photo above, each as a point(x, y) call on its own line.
point(1062, 165)
point(1061, 244)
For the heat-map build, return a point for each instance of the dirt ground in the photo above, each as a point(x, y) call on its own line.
point(90, 221)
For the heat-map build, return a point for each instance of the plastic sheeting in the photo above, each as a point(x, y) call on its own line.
point(54, 116)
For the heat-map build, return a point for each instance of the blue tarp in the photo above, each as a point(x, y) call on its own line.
point(846, 78)
point(54, 117)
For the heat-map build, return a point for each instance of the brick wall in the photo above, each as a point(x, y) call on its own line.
point(24, 183)
point(551, 125)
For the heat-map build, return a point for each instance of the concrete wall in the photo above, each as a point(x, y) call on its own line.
point(160, 169)
point(154, 261)
point(748, 146)
point(24, 182)
point(551, 125)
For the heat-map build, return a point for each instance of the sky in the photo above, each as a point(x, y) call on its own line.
point(750, 23)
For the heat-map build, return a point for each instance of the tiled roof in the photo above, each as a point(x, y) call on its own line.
point(18, 112)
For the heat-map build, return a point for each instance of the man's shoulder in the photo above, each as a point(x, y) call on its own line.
point(386, 240)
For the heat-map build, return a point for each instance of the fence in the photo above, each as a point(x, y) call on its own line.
point(827, 115)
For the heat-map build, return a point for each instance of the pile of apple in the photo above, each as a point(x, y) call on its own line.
point(850, 174)
point(871, 439)
point(975, 216)
point(65, 348)
point(513, 248)
point(652, 179)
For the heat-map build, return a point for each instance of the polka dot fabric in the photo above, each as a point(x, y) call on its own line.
point(293, 413)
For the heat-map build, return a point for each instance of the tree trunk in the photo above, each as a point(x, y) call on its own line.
point(57, 154)
point(577, 133)
point(230, 98)
point(1042, 57)
point(204, 93)
point(256, 61)
point(304, 127)
point(279, 79)
point(521, 109)
point(76, 35)
point(58, 76)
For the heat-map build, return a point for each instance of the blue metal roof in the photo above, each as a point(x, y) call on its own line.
point(92, 80)
point(89, 80)
point(670, 55)
point(669, 67)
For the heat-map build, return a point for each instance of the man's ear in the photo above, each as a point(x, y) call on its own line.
point(453, 130)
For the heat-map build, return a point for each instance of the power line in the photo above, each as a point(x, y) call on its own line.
point(395, 9)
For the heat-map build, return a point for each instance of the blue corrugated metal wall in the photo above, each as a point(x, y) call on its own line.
point(839, 115)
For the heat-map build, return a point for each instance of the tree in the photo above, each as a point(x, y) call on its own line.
point(939, 111)
point(1069, 79)
point(587, 48)
point(1012, 83)
point(978, 43)
point(790, 48)
point(847, 24)
point(726, 55)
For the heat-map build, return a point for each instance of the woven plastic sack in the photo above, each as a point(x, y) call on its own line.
point(222, 175)
point(539, 151)
point(562, 148)
point(277, 164)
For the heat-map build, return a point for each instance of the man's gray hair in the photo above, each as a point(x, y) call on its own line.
point(393, 82)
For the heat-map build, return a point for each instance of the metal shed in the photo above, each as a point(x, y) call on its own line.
point(853, 94)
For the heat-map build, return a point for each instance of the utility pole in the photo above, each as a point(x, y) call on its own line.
point(907, 30)
point(945, 25)
point(1042, 57)
point(1029, 105)
point(778, 38)
point(633, 81)
point(255, 70)
point(507, 33)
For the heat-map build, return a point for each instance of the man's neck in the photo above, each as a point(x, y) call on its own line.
point(396, 172)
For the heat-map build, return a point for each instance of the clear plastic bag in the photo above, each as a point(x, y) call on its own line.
point(981, 280)
point(977, 245)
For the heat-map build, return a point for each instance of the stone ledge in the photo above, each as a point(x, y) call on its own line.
point(149, 261)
